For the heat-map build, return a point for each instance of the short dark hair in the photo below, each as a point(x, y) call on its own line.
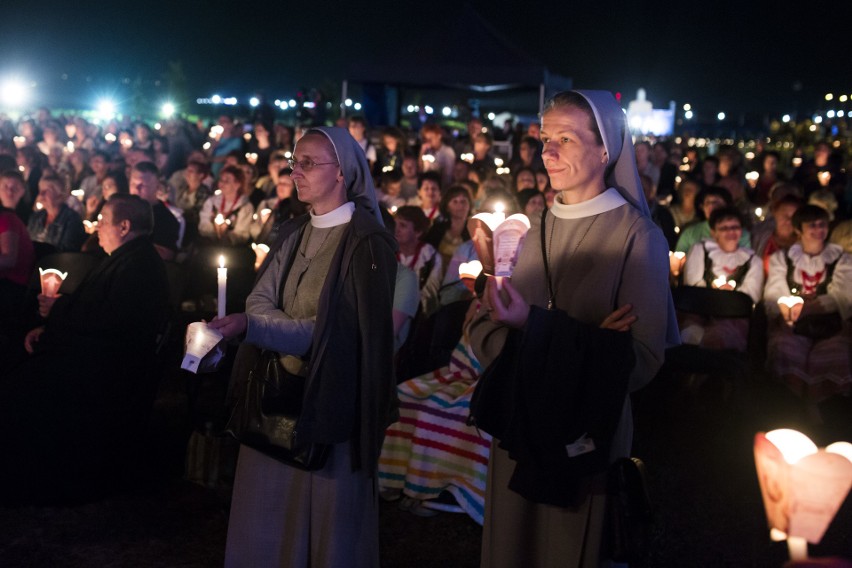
point(430, 175)
point(415, 216)
point(126, 207)
point(392, 176)
point(722, 213)
point(808, 214)
point(357, 120)
point(235, 171)
point(146, 167)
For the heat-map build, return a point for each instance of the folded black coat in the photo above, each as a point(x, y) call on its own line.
point(557, 382)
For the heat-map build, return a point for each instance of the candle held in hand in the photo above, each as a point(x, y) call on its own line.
point(221, 281)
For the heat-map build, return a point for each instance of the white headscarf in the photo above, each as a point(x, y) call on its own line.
point(355, 168)
point(612, 124)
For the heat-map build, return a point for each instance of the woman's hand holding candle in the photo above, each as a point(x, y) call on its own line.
point(508, 308)
point(230, 326)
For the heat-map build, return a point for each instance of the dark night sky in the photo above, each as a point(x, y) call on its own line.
point(731, 55)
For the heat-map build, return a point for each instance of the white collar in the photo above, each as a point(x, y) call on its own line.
point(606, 201)
point(335, 217)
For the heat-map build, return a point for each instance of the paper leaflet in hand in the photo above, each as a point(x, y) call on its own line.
point(498, 240)
point(51, 280)
point(204, 349)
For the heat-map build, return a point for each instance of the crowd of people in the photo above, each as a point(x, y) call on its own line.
point(751, 224)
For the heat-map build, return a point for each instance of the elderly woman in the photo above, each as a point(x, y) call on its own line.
point(814, 363)
point(71, 406)
point(591, 271)
point(55, 223)
point(323, 303)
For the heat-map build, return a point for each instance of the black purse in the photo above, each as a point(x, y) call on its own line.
point(818, 326)
point(267, 412)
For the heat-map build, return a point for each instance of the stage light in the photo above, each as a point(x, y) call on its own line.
point(168, 110)
point(13, 93)
point(106, 109)
point(254, 101)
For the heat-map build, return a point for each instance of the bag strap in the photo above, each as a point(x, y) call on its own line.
point(551, 301)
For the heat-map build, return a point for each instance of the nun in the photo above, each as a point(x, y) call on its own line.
point(587, 316)
point(322, 301)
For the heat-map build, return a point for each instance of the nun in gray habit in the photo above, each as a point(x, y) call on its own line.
point(323, 302)
point(588, 315)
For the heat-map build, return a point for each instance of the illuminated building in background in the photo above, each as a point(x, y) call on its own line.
point(643, 118)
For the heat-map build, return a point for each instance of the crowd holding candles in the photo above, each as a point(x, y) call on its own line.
point(777, 230)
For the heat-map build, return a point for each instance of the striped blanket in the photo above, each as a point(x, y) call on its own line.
point(431, 449)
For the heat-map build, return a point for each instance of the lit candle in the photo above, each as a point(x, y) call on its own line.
point(751, 178)
point(220, 219)
point(676, 260)
point(264, 215)
point(824, 178)
point(499, 213)
point(221, 280)
point(720, 281)
point(785, 305)
point(78, 193)
point(260, 250)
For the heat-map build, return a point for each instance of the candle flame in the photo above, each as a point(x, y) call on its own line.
point(221, 261)
point(499, 207)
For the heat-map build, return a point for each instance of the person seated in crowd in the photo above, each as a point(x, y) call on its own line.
point(30, 163)
point(145, 182)
point(418, 255)
point(191, 196)
point(226, 217)
point(431, 459)
point(272, 212)
point(644, 164)
point(428, 195)
point(708, 200)
point(230, 140)
point(709, 176)
point(390, 152)
point(783, 236)
point(683, 210)
point(265, 187)
point(79, 169)
point(529, 155)
point(720, 262)
point(450, 229)
point(55, 223)
point(483, 159)
point(768, 176)
point(531, 202)
point(809, 343)
point(358, 130)
point(390, 188)
point(662, 159)
point(410, 176)
point(16, 249)
point(435, 156)
point(524, 178)
point(114, 182)
point(79, 401)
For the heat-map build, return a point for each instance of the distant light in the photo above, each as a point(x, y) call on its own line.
point(216, 100)
point(348, 102)
point(829, 96)
point(291, 103)
point(687, 107)
point(106, 109)
point(830, 114)
point(13, 93)
point(840, 114)
point(278, 102)
point(109, 137)
point(721, 116)
point(749, 156)
point(254, 101)
point(428, 109)
point(842, 98)
point(230, 101)
point(309, 104)
point(357, 106)
point(446, 111)
point(157, 126)
point(818, 119)
point(410, 108)
point(785, 118)
point(168, 110)
point(491, 116)
point(688, 115)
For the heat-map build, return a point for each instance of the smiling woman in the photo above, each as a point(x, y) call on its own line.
point(599, 269)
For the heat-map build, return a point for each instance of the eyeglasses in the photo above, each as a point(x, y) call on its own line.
point(725, 228)
point(307, 165)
